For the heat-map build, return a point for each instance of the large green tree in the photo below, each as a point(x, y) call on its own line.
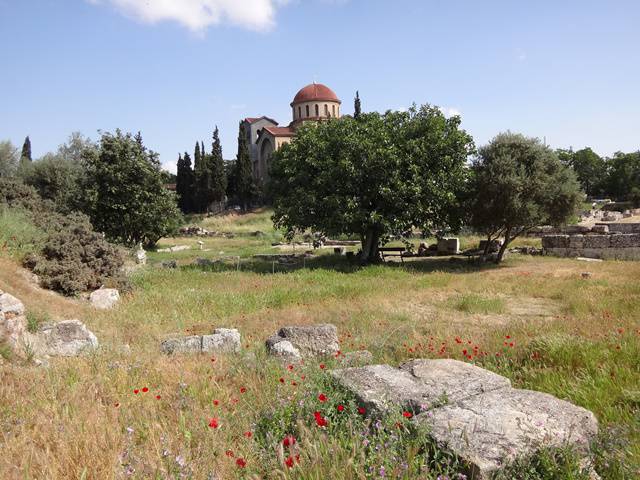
point(126, 196)
point(218, 173)
point(243, 184)
point(375, 177)
point(518, 183)
point(185, 183)
point(590, 168)
point(623, 181)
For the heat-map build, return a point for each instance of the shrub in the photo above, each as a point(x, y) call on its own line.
point(74, 258)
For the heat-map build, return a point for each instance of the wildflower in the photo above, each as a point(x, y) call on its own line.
point(381, 472)
point(136, 391)
point(158, 397)
point(322, 397)
point(213, 423)
point(281, 380)
point(216, 402)
point(290, 367)
point(289, 462)
point(116, 405)
point(320, 421)
point(289, 441)
point(241, 462)
point(229, 453)
point(248, 434)
point(322, 365)
point(407, 414)
point(130, 430)
point(145, 390)
point(340, 408)
point(361, 410)
point(243, 389)
point(181, 461)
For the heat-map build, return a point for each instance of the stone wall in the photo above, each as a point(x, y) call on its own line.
point(625, 246)
point(622, 227)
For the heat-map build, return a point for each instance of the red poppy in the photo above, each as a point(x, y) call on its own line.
point(213, 423)
point(507, 337)
point(407, 414)
point(320, 421)
point(158, 397)
point(290, 367)
point(281, 380)
point(117, 405)
point(322, 366)
point(248, 434)
point(243, 389)
point(216, 402)
point(229, 453)
point(322, 397)
point(361, 410)
point(340, 408)
point(241, 462)
point(291, 461)
point(289, 441)
point(136, 391)
point(145, 389)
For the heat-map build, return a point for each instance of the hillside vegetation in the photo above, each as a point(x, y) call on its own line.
point(532, 319)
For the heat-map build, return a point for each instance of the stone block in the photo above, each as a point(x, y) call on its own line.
point(490, 430)
point(596, 241)
point(309, 340)
point(105, 298)
point(576, 241)
point(65, 339)
point(448, 246)
point(417, 385)
point(223, 340)
point(190, 344)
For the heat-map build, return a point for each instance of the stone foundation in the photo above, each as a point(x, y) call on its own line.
point(625, 246)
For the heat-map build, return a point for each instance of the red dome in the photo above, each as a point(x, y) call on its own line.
point(315, 92)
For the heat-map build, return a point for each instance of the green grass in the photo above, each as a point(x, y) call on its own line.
point(473, 303)
point(18, 234)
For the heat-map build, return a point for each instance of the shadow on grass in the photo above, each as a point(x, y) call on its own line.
point(346, 265)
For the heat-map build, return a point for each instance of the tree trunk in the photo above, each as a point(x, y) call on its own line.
point(370, 246)
point(504, 246)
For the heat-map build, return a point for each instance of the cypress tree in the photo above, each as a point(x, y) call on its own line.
point(216, 165)
point(26, 150)
point(181, 187)
point(357, 109)
point(189, 183)
point(244, 185)
point(202, 181)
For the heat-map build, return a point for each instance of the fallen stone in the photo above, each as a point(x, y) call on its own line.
point(175, 248)
point(65, 339)
point(105, 298)
point(417, 385)
point(585, 259)
point(191, 344)
point(308, 340)
point(490, 430)
point(169, 264)
point(13, 323)
point(10, 305)
point(224, 340)
point(285, 351)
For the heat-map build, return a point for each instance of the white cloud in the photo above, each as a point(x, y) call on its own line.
point(198, 15)
point(450, 111)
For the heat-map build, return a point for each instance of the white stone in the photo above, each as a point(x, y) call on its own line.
point(65, 339)
point(105, 298)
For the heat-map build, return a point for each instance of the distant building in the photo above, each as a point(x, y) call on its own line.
point(315, 102)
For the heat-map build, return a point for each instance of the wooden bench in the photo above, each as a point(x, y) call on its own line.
point(392, 252)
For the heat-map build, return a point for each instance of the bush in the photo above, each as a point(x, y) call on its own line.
point(63, 250)
point(74, 258)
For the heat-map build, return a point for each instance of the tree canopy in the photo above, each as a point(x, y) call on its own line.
point(517, 183)
point(9, 158)
point(126, 196)
point(376, 176)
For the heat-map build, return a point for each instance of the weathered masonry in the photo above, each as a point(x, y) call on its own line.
point(617, 246)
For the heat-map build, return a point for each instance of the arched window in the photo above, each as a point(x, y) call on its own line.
point(317, 110)
point(334, 110)
point(299, 112)
point(326, 110)
point(307, 110)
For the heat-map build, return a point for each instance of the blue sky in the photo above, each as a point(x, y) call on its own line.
point(567, 70)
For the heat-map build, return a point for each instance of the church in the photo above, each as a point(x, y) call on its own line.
point(315, 102)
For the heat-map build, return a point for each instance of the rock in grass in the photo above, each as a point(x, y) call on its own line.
point(285, 350)
point(13, 323)
point(417, 385)
point(489, 430)
point(308, 340)
point(104, 298)
point(65, 339)
point(190, 344)
point(224, 340)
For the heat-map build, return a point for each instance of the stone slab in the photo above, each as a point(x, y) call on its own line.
point(190, 344)
point(223, 340)
point(417, 385)
point(309, 340)
point(489, 430)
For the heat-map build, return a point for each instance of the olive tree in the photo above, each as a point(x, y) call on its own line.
point(517, 183)
point(376, 176)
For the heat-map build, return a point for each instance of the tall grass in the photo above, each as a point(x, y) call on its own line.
point(18, 234)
